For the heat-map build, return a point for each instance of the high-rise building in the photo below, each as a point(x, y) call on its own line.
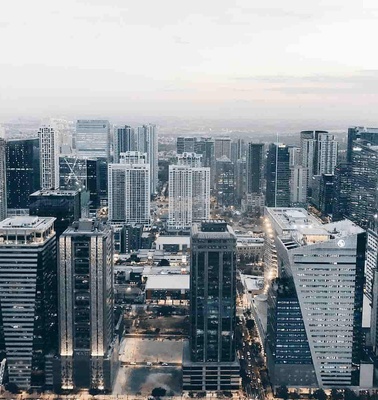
point(129, 190)
point(255, 167)
point(124, 140)
point(23, 171)
point(87, 345)
point(92, 138)
point(326, 194)
point(189, 195)
point(64, 205)
point(364, 191)
point(3, 180)
point(240, 180)
point(131, 238)
point(49, 157)
point(147, 142)
point(205, 146)
point(362, 133)
point(342, 191)
point(185, 144)
point(315, 323)
point(278, 176)
point(225, 182)
point(222, 147)
point(28, 303)
point(210, 361)
point(298, 185)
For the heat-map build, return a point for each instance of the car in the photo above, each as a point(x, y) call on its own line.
point(149, 363)
point(164, 364)
point(132, 363)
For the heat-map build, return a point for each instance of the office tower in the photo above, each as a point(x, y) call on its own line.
point(124, 140)
point(342, 191)
point(64, 205)
point(326, 194)
point(92, 138)
point(371, 284)
point(225, 182)
point(362, 133)
point(295, 156)
point(237, 150)
point(209, 361)
point(240, 180)
point(129, 190)
point(147, 142)
point(364, 191)
point(87, 345)
point(298, 185)
point(49, 161)
point(185, 144)
point(278, 176)
point(314, 199)
point(3, 180)
point(205, 146)
point(189, 195)
point(222, 147)
point(64, 131)
point(316, 340)
point(190, 159)
point(131, 238)
point(23, 171)
point(28, 303)
point(255, 163)
point(81, 174)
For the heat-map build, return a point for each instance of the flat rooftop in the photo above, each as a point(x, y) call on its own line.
point(26, 223)
point(87, 226)
point(168, 282)
point(58, 192)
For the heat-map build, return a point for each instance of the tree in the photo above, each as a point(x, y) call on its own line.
point(164, 263)
point(319, 394)
point(250, 324)
point(336, 395)
point(294, 395)
point(158, 392)
point(282, 392)
point(201, 394)
point(12, 387)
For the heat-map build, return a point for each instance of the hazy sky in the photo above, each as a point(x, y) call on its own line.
point(212, 58)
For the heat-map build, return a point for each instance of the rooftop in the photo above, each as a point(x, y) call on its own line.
point(168, 282)
point(26, 223)
point(57, 192)
point(87, 226)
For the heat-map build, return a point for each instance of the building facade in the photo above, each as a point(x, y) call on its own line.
point(28, 301)
point(49, 158)
point(87, 346)
point(3, 180)
point(210, 361)
point(92, 138)
point(124, 140)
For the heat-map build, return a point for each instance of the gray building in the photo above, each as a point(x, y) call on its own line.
point(28, 301)
point(210, 361)
point(88, 347)
point(3, 181)
point(92, 138)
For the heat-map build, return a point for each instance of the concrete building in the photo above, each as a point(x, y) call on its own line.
point(88, 347)
point(298, 185)
point(129, 190)
point(49, 158)
point(190, 159)
point(222, 147)
point(185, 144)
point(92, 138)
point(124, 140)
point(173, 288)
point(3, 180)
point(224, 182)
point(319, 291)
point(28, 301)
point(210, 361)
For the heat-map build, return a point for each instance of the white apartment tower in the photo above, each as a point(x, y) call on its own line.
point(326, 154)
point(189, 195)
point(49, 156)
point(189, 159)
point(129, 189)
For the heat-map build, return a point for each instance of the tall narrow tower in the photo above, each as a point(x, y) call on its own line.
point(49, 156)
point(210, 361)
point(3, 181)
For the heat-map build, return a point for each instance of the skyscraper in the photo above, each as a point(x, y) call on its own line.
point(3, 180)
point(64, 205)
point(49, 158)
point(28, 301)
point(92, 138)
point(278, 176)
point(23, 171)
point(316, 340)
point(189, 194)
point(298, 185)
point(210, 361)
point(124, 140)
point(255, 167)
point(129, 190)
point(185, 144)
point(190, 159)
point(87, 345)
point(222, 147)
point(342, 192)
point(225, 182)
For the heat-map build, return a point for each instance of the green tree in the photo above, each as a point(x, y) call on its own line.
point(319, 394)
point(282, 392)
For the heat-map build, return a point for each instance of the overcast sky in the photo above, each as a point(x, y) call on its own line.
point(211, 58)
